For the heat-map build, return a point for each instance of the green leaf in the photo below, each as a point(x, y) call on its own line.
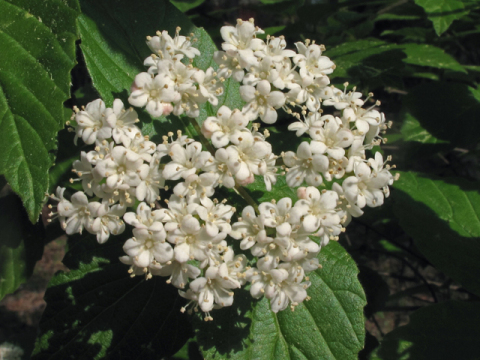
point(413, 131)
point(113, 61)
point(369, 63)
point(442, 12)
point(428, 55)
point(38, 52)
point(442, 332)
point(396, 17)
point(330, 326)
point(442, 216)
point(280, 190)
point(350, 54)
point(98, 311)
point(21, 244)
point(445, 110)
point(185, 5)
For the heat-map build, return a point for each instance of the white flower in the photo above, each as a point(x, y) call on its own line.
point(156, 94)
point(91, 123)
point(192, 241)
point(179, 273)
point(260, 70)
point(208, 86)
point(152, 181)
point(140, 147)
point(341, 99)
point(333, 137)
point(275, 49)
point(146, 219)
point(144, 249)
point(178, 208)
point(284, 76)
point(348, 208)
point(277, 215)
point(311, 91)
point(248, 157)
point(371, 184)
point(307, 164)
point(185, 160)
point(319, 213)
point(363, 118)
point(108, 220)
point(250, 229)
point(122, 122)
point(261, 101)
point(313, 121)
point(84, 170)
point(311, 61)
point(102, 151)
point(242, 40)
point(281, 286)
point(270, 176)
point(196, 187)
point(219, 166)
point(76, 214)
point(224, 128)
point(163, 149)
point(232, 269)
point(216, 216)
point(164, 45)
point(119, 170)
point(228, 66)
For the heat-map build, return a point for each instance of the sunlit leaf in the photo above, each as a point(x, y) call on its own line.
point(330, 326)
point(37, 42)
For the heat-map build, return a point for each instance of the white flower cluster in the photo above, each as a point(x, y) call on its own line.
point(273, 78)
point(169, 84)
point(188, 240)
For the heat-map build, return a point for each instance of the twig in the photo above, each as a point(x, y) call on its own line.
point(420, 276)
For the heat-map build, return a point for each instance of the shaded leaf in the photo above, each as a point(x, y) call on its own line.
point(98, 311)
point(21, 244)
point(426, 337)
point(413, 131)
point(445, 110)
point(442, 216)
point(37, 42)
point(428, 55)
point(113, 61)
point(442, 12)
point(185, 5)
point(376, 290)
point(330, 326)
point(350, 54)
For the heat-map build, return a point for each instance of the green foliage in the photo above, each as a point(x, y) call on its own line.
point(98, 311)
point(21, 244)
point(428, 55)
point(113, 61)
point(427, 78)
point(37, 42)
point(443, 331)
point(185, 5)
point(442, 216)
point(330, 326)
point(447, 122)
point(442, 12)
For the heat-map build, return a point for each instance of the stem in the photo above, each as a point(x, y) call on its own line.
point(246, 196)
point(415, 271)
point(203, 139)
